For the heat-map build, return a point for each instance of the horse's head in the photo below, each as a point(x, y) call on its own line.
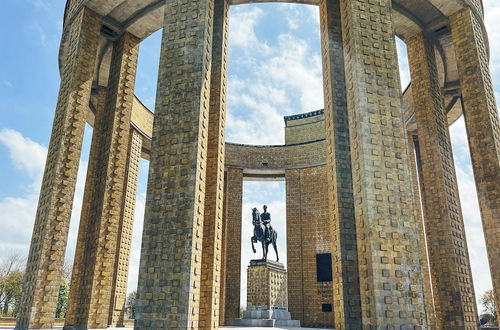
point(255, 216)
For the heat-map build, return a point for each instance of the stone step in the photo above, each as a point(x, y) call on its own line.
point(277, 314)
point(261, 323)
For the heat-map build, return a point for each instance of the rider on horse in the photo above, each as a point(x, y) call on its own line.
point(266, 220)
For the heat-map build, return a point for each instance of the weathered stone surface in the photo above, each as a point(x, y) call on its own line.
point(428, 296)
point(118, 312)
point(483, 129)
point(214, 194)
point(346, 297)
point(171, 255)
point(48, 244)
point(98, 237)
point(448, 255)
point(266, 284)
point(308, 234)
point(386, 227)
point(233, 200)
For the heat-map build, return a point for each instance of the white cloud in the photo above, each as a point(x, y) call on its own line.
point(24, 153)
point(242, 28)
point(17, 214)
point(404, 68)
point(285, 79)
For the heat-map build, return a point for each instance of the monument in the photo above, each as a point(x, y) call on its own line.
point(363, 178)
point(267, 293)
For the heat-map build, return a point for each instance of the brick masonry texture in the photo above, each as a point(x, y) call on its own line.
point(97, 248)
point(483, 129)
point(351, 173)
point(448, 255)
point(48, 245)
point(386, 228)
point(307, 235)
point(266, 285)
point(118, 312)
point(346, 297)
point(214, 193)
point(171, 255)
point(429, 299)
point(295, 132)
point(233, 214)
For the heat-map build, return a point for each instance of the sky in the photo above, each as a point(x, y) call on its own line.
point(274, 70)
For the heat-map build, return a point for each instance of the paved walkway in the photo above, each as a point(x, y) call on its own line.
point(233, 328)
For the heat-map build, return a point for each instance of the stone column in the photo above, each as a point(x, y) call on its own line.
point(449, 258)
point(234, 200)
point(346, 297)
point(429, 300)
point(223, 282)
point(294, 234)
point(171, 255)
point(386, 227)
point(117, 310)
point(98, 236)
point(48, 244)
point(214, 193)
point(483, 129)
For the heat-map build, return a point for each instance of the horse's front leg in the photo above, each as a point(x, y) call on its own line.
point(264, 251)
point(253, 247)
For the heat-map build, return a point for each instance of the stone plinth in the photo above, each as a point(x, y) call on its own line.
point(267, 296)
point(267, 284)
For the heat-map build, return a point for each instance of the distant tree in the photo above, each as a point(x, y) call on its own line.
point(11, 283)
point(62, 299)
point(130, 304)
point(11, 287)
point(489, 306)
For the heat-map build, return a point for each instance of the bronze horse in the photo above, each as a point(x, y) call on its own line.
point(259, 232)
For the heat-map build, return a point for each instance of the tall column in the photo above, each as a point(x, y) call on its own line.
point(386, 227)
point(120, 276)
point(48, 244)
point(295, 258)
point(483, 129)
point(429, 300)
point(98, 236)
point(449, 258)
point(346, 296)
point(223, 282)
point(171, 255)
point(234, 200)
point(214, 188)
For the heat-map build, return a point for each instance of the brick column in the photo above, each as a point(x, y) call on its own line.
point(214, 193)
point(448, 255)
point(98, 236)
point(170, 268)
point(346, 297)
point(429, 300)
point(387, 230)
point(483, 129)
point(294, 235)
point(223, 283)
point(48, 244)
point(234, 200)
point(117, 310)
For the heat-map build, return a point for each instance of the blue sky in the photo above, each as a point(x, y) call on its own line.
point(274, 70)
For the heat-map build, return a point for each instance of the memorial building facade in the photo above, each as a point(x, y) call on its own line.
point(375, 232)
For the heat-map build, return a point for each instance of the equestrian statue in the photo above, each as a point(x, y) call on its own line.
point(263, 232)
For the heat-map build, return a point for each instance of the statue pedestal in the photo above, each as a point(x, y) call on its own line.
point(267, 296)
